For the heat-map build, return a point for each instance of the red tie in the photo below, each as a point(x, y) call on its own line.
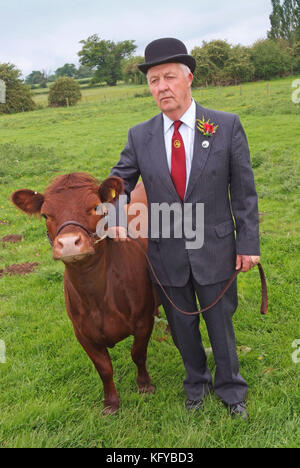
point(178, 163)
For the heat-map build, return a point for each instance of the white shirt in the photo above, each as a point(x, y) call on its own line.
point(187, 131)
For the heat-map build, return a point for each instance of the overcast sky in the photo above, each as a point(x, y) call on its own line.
point(45, 34)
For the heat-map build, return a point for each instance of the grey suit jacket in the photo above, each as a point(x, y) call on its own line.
point(221, 178)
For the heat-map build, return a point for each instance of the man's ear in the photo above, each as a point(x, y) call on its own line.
point(28, 201)
point(110, 189)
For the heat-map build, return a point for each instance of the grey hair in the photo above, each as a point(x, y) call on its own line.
point(185, 68)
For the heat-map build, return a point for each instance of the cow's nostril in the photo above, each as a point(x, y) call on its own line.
point(78, 241)
point(60, 244)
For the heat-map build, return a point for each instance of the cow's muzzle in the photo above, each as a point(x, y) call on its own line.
point(72, 247)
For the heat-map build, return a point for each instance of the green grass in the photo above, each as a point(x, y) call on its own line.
point(100, 93)
point(50, 393)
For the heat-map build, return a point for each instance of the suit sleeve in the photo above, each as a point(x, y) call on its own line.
point(243, 194)
point(127, 169)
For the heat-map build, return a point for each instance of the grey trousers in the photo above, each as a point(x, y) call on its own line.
point(228, 383)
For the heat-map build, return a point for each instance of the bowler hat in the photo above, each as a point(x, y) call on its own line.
point(166, 50)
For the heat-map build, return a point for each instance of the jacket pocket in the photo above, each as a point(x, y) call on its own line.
point(224, 229)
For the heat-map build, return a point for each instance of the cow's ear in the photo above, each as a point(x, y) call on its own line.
point(110, 189)
point(28, 201)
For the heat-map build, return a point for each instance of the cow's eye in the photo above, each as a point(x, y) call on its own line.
point(45, 216)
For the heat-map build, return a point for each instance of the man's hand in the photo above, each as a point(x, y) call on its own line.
point(118, 234)
point(246, 262)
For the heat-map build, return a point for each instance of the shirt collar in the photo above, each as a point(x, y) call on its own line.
point(189, 118)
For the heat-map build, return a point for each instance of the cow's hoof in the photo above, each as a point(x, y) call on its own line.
point(147, 389)
point(110, 410)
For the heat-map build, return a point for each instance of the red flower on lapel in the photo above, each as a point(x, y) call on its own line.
point(206, 128)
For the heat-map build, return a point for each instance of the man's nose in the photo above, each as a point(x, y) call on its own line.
point(163, 85)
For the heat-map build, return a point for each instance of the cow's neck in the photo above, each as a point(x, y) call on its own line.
point(89, 275)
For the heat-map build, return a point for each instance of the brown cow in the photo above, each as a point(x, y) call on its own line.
point(108, 293)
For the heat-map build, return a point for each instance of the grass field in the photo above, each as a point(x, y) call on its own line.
point(50, 393)
point(99, 93)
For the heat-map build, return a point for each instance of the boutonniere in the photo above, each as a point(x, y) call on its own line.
point(206, 128)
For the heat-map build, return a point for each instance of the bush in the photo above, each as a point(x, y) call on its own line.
point(219, 63)
point(18, 95)
point(64, 92)
point(206, 70)
point(269, 60)
point(238, 66)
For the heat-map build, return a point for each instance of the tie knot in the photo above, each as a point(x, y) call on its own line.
point(177, 125)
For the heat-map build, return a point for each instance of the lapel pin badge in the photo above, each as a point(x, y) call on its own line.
point(205, 144)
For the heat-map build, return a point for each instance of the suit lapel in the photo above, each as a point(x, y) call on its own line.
point(201, 153)
point(155, 145)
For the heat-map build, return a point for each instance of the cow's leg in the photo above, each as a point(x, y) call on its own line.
point(102, 362)
point(139, 356)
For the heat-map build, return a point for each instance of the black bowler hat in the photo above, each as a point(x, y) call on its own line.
point(166, 50)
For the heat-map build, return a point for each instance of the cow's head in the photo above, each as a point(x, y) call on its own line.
point(73, 197)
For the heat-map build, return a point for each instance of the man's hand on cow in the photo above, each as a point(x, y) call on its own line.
point(246, 262)
point(118, 234)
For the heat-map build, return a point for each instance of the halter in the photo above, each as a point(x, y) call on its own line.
point(92, 235)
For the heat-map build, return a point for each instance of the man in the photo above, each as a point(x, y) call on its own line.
point(190, 154)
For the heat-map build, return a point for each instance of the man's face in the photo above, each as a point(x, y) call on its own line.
point(171, 88)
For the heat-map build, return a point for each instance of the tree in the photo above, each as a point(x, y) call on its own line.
point(211, 59)
point(64, 92)
point(84, 72)
point(36, 78)
point(131, 71)
point(51, 78)
point(296, 20)
point(287, 14)
point(295, 54)
point(69, 69)
point(285, 20)
point(275, 20)
point(18, 95)
point(239, 66)
point(206, 70)
point(269, 60)
point(105, 57)
point(217, 51)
